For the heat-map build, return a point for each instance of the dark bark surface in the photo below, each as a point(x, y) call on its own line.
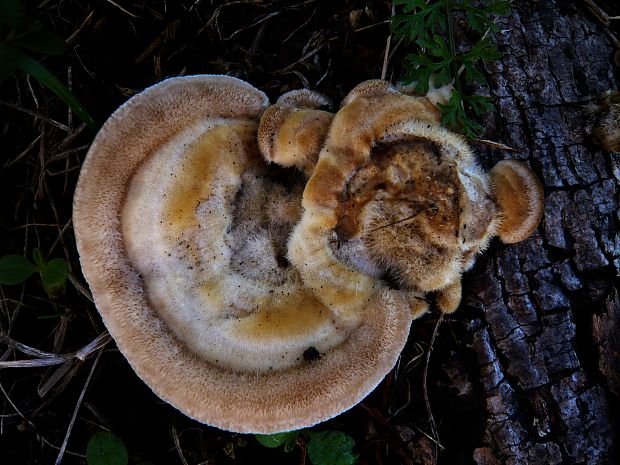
point(544, 329)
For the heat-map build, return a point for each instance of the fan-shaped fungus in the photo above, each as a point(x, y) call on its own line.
point(240, 307)
point(182, 231)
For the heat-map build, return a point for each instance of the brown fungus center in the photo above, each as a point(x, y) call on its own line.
point(407, 176)
point(408, 192)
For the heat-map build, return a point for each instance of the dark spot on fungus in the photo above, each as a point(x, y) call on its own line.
point(311, 354)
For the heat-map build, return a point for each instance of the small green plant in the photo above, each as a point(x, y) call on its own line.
point(16, 35)
point(429, 25)
point(106, 449)
point(15, 269)
point(324, 447)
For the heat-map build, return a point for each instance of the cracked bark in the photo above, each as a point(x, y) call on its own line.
point(543, 315)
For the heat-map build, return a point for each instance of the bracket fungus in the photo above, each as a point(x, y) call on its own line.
point(259, 266)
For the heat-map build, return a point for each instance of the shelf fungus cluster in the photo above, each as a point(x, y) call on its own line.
point(259, 266)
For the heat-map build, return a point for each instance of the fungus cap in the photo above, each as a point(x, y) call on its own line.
point(398, 203)
point(292, 131)
point(404, 197)
point(180, 227)
point(520, 197)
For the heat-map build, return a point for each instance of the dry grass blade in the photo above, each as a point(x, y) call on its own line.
point(25, 349)
point(299, 27)
point(307, 54)
point(97, 343)
point(23, 153)
point(70, 137)
point(56, 376)
point(495, 145)
point(370, 26)
point(81, 288)
point(60, 126)
point(177, 443)
point(431, 418)
point(10, 401)
point(47, 358)
point(112, 2)
point(598, 12)
point(167, 32)
point(255, 23)
point(65, 154)
point(61, 452)
point(35, 363)
point(386, 55)
point(75, 33)
point(61, 233)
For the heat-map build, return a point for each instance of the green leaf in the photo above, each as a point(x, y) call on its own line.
point(14, 57)
point(276, 440)
point(484, 50)
point(480, 18)
point(106, 449)
point(40, 39)
point(10, 16)
point(331, 448)
point(479, 104)
point(456, 118)
point(426, 18)
point(37, 257)
point(426, 23)
point(472, 74)
point(15, 269)
point(54, 275)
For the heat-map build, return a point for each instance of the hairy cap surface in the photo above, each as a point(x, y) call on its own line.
point(181, 228)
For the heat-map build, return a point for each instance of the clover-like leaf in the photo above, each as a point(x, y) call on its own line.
point(15, 269)
point(287, 439)
point(54, 276)
point(38, 257)
point(331, 448)
point(106, 449)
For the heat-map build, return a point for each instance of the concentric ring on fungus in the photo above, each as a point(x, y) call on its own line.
point(182, 230)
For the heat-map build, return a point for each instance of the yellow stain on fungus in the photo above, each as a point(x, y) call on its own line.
point(294, 315)
point(211, 292)
point(214, 151)
point(342, 297)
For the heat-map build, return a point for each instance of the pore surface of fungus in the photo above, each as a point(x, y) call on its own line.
point(182, 229)
point(259, 266)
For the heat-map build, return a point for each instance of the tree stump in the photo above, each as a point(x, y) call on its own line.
point(541, 353)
